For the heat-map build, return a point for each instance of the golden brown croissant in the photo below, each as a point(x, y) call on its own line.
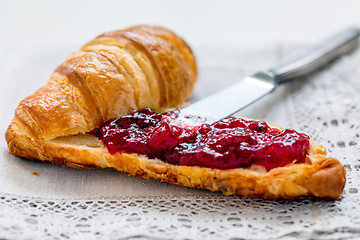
point(110, 76)
point(140, 67)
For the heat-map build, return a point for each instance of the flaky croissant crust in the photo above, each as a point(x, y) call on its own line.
point(117, 72)
point(139, 67)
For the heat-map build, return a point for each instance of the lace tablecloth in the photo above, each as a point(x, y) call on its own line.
point(45, 201)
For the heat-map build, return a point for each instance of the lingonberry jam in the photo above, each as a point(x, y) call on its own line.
point(228, 143)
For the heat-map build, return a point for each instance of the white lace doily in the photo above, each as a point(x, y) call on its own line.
point(324, 105)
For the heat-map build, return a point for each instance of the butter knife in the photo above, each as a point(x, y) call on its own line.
point(238, 96)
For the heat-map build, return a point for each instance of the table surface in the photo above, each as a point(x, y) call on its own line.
point(37, 35)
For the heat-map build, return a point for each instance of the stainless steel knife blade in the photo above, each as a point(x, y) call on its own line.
point(233, 98)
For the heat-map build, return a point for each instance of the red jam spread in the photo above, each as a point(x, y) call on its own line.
point(228, 143)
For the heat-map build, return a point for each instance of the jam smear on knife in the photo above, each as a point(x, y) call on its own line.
point(225, 144)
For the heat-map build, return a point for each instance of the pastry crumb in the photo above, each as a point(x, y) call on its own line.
point(35, 174)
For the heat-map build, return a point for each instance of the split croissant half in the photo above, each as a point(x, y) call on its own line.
point(121, 71)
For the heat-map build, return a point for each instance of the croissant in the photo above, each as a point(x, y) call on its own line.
point(135, 68)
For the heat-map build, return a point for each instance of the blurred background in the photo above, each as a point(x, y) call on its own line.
point(199, 22)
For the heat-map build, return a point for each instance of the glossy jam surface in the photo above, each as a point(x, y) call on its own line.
point(229, 143)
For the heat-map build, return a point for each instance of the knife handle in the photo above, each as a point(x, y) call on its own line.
point(305, 62)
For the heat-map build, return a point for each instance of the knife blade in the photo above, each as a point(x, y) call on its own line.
point(238, 96)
